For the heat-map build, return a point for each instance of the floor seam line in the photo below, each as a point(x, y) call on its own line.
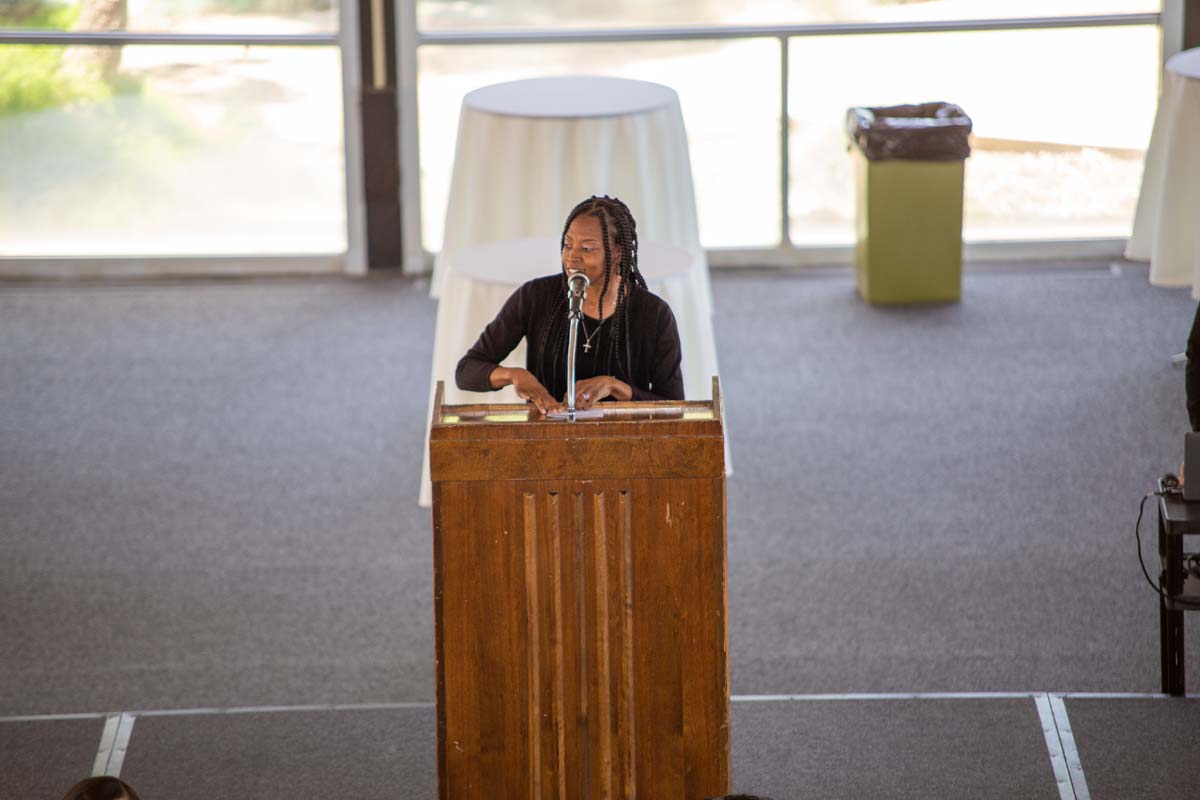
point(737, 698)
point(218, 710)
point(1058, 760)
point(121, 744)
point(107, 738)
point(772, 698)
point(1070, 751)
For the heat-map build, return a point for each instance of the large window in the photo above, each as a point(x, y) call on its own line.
point(735, 166)
point(447, 15)
point(1062, 104)
point(1057, 147)
point(169, 149)
point(216, 127)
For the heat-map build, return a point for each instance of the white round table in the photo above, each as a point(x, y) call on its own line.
point(1166, 225)
point(528, 151)
point(479, 279)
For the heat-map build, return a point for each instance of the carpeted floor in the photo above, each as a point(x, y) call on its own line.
point(208, 489)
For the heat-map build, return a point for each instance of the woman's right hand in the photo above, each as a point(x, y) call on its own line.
point(527, 386)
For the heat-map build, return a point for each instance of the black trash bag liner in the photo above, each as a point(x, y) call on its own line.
point(924, 132)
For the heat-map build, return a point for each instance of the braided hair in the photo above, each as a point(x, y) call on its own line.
point(618, 229)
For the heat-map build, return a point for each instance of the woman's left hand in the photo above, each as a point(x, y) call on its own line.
point(590, 391)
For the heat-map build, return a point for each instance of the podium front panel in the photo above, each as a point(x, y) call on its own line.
point(581, 624)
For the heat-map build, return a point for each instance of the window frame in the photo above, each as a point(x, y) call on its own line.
point(785, 254)
point(352, 260)
point(417, 260)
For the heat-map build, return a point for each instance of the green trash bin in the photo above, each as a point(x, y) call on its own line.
point(909, 201)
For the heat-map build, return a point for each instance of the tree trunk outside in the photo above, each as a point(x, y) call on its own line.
point(97, 63)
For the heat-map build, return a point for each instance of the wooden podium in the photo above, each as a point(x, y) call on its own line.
point(580, 602)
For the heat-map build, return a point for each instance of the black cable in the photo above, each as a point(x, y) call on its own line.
point(1137, 532)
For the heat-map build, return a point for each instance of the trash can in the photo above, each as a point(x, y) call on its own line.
point(909, 201)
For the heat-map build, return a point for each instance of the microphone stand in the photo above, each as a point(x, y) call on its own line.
point(574, 314)
point(572, 340)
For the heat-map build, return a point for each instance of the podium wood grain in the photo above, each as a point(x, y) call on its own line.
point(581, 625)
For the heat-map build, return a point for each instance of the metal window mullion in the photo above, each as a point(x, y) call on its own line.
point(1172, 29)
point(355, 261)
point(416, 258)
point(785, 167)
point(710, 32)
point(114, 38)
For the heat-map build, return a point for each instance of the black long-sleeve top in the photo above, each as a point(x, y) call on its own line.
point(1193, 373)
point(652, 339)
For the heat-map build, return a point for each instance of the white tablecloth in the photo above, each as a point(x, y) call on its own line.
point(1166, 226)
point(529, 150)
point(479, 279)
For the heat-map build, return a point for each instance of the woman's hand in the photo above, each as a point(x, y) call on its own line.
point(528, 387)
point(590, 391)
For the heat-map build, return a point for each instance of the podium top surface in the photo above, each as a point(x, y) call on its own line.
point(522, 420)
point(654, 420)
point(513, 441)
point(526, 414)
point(630, 441)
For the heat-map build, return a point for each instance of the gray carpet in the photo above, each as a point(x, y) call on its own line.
point(44, 758)
point(208, 488)
point(300, 756)
point(901, 750)
point(787, 750)
point(210, 495)
point(943, 498)
point(1138, 749)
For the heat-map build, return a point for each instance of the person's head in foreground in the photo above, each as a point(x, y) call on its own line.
point(104, 787)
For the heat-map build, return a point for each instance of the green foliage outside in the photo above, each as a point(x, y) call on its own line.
point(29, 78)
point(30, 75)
point(37, 14)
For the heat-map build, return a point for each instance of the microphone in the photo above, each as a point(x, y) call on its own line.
point(577, 284)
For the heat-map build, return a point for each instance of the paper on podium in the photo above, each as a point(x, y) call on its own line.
point(591, 413)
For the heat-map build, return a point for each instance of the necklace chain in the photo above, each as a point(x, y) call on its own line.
point(587, 343)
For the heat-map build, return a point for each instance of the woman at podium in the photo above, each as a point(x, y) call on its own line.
point(628, 344)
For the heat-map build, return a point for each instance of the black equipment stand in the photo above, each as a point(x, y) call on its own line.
point(1180, 589)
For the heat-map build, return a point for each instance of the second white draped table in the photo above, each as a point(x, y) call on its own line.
point(479, 279)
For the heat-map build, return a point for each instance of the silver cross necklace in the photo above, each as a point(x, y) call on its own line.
point(587, 343)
